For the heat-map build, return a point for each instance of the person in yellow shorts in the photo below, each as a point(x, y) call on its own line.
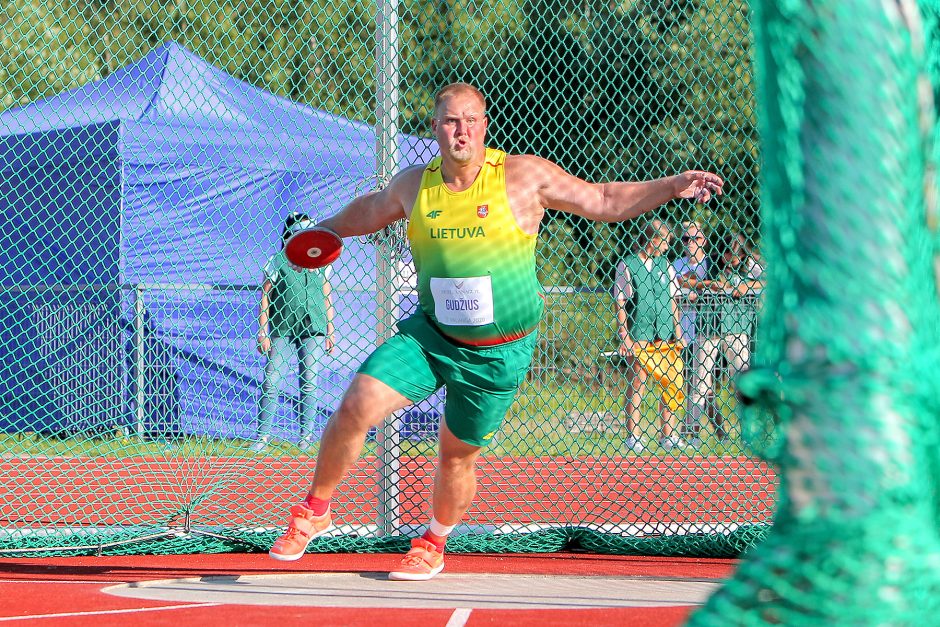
point(646, 292)
point(473, 218)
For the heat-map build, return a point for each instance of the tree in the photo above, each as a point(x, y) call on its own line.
point(628, 90)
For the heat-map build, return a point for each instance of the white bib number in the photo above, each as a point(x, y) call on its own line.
point(464, 302)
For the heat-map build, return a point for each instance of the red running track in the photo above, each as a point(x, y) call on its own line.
point(67, 591)
point(621, 490)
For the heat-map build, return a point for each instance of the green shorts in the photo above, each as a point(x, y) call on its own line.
point(481, 382)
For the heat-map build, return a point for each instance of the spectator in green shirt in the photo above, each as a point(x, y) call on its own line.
point(295, 318)
point(725, 327)
point(645, 294)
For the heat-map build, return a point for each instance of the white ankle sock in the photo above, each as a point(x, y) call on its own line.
point(441, 531)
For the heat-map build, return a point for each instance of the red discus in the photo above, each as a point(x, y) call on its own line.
point(313, 248)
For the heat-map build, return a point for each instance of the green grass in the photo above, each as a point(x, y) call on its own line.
point(535, 426)
point(575, 328)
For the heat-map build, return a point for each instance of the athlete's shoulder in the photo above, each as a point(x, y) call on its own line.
point(405, 186)
point(526, 160)
point(407, 182)
point(532, 166)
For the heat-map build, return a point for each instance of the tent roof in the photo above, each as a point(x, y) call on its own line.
point(175, 107)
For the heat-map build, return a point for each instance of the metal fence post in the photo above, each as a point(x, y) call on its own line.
point(387, 249)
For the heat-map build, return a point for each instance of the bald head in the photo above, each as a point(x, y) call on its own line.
point(455, 89)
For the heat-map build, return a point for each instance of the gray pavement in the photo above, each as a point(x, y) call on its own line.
point(475, 591)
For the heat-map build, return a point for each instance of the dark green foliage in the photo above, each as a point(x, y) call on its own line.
point(631, 91)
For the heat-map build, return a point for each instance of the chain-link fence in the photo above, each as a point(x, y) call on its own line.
point(149, 157)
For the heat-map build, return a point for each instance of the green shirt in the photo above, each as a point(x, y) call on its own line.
point(732, 315)
point(296, 306)
point(648, 294)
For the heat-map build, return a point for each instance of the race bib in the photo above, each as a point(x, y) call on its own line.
point(464, 302)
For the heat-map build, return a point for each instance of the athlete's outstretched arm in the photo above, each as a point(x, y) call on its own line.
point(614, 202)
point(373, 211)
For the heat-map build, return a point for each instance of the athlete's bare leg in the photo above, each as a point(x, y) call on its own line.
point(366, 404)
point(455, 482)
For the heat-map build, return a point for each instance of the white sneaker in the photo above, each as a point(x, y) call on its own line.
point(672, 442)
point(304, 445)
point(635, 444)
point(259, 446)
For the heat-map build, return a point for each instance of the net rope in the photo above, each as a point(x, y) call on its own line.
point(846, 386)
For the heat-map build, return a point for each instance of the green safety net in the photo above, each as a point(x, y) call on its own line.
point(150, 153)
point(849, 339)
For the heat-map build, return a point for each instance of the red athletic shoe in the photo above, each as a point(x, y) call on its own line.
point(421, 563)
point(303, 527)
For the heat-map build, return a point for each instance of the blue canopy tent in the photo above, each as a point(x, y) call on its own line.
point(151, 199)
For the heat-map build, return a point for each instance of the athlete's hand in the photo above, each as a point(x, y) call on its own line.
point(699, 185)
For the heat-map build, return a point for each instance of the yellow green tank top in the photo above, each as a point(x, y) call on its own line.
point(476, 267)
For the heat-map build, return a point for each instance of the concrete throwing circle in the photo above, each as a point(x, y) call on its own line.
point(475, 591)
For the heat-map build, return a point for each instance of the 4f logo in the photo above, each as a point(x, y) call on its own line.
point(433, 214)
point(483, 211)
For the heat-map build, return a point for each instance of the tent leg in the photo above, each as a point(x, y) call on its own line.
point(139, 359)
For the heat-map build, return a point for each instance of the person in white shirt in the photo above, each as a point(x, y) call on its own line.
point(645, 293)
point(691, 272)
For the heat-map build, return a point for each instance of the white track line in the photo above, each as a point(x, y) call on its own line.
point(103, 612)
point(459, 618)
